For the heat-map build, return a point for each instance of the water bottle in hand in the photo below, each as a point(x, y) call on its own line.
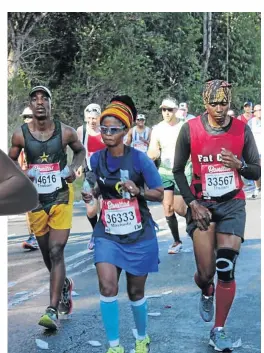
point(87, 188)
point(33, 173)
point(65, 173)
point(124, 176)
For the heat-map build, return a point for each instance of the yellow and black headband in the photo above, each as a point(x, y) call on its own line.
point(217, 91)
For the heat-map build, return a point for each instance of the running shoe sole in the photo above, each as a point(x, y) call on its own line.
point(71, 301)
point(70, 290)
point(174, 251)
point(212, 344)
point(29, 247)
point(47, 322)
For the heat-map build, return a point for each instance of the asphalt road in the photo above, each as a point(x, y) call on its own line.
point(179, 327)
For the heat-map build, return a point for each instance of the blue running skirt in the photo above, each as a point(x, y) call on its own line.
point(137, 258)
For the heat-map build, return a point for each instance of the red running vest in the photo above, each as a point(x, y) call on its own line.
point(95, 143)
point(208, 171)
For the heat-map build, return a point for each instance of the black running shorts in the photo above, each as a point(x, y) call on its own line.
point(229, 217)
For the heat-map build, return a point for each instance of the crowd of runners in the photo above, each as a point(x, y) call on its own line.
point(194, 166)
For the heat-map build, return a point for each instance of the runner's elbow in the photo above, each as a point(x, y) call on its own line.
point(160, 195)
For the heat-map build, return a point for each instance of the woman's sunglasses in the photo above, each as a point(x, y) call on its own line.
point(111, 130)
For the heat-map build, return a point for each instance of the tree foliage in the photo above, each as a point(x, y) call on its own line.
point(89, 57)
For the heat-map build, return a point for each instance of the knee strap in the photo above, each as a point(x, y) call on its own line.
point(225, 264)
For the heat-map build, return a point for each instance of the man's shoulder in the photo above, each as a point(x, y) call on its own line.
point(239, 121)
point(66, 128)
point(18, 131)
point(162, 124)
point(241, 117)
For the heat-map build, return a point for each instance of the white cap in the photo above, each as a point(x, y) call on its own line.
point(168, 103)
point(26, 111)
point(93, 108)
point(183, 106)
point(141, 116)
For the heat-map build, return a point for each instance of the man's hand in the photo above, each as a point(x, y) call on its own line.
point(87, 196)
point(229, 160)
point(70, 179)
point(144, 141)
point(201, 215)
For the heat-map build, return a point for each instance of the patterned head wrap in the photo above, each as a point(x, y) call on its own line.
point(217, 91)
point(122, 108)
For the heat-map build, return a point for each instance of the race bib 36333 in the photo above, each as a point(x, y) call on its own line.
point(121, 216)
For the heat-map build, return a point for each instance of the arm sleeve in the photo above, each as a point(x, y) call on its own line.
point(251, 156)
point(182, 154)
point(149, 171)
point(94, 161)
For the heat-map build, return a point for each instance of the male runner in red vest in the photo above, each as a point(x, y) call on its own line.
point(247, 115)
point(216, 214)
point(90, 135)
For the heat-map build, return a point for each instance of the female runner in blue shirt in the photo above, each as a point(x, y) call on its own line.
point(125, 236)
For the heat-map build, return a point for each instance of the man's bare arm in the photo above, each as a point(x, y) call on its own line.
point(70, 137)
point(154, 147)
point(149, 137)
point(80, 133)
point(17, 144)
point(129, 138)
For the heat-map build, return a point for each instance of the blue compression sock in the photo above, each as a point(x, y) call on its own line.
point(110, 315)
point(139, 309)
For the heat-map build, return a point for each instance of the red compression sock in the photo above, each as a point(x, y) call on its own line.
point(224, 296)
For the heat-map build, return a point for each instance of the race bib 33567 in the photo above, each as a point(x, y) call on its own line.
point(218, 180)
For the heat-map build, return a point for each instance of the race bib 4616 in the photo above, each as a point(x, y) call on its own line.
point(121, 216)
point(49, 179)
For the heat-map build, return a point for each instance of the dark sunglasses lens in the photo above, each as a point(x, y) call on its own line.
point(114, 130)
point(169, 109)
point(92, 110)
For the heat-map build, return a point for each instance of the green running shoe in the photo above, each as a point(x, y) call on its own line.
point(118, 349)
point(143, 346)
point(220, 341)
point(49, 319)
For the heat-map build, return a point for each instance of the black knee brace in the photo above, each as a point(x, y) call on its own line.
point(225, 264)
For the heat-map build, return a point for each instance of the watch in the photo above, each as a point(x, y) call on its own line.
point(141, 191)
point(243, 168)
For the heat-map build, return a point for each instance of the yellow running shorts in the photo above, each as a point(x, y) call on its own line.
point(59, 217)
